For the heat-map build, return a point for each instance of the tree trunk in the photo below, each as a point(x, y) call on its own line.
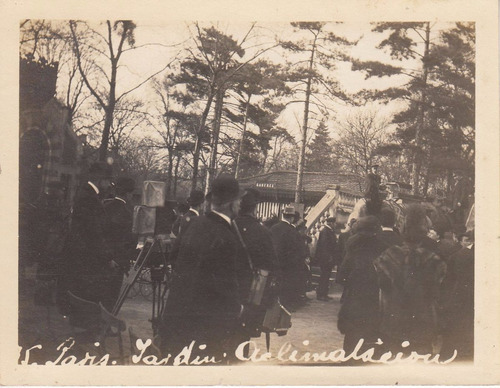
point(417, 157)
point(302, 155)
point(169, 172)
point(176, 175)
point(108, 122)
point(240, 151)
point(426, 181)
point(198, 144)
point(212, 169)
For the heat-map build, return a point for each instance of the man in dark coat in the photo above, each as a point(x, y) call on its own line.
point(359, 311)
point(204, 304)
point(289, 250)
point(195, 200)
point(326, 257)
point(118, 234)
point(458, 301)
point(410, 278)
point(87, 260)
point(388, 234)
point(259, 247)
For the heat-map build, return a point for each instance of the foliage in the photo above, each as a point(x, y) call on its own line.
point(320, 156)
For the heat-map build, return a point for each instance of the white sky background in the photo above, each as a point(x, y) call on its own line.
point(170, 39)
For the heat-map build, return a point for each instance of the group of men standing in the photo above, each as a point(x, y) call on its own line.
point(209, 310)
point(100, 243)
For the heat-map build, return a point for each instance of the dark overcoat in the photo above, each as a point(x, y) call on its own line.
point(288, 245)
point(390, 237)
point(410, 279)
point(86, 258)
point(360, 299)
point(326, 249)
point(259, 247)
point(186, 220)
point(458, 304)
point(203, 304)
point(118, 231)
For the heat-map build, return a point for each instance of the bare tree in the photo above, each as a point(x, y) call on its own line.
point(360, 137)
point(102, 52)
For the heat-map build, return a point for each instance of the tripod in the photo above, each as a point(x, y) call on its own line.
point(160, 275)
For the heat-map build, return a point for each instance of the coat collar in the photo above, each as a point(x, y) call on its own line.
point(221, 218)
point(194, 211)
point(94, 187)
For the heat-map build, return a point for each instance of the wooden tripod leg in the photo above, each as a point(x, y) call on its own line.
point(133, 275)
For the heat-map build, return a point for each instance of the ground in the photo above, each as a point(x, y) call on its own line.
point(314, 329)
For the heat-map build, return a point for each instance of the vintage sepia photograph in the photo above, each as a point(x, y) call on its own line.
point(294, 192)
point(210, 192)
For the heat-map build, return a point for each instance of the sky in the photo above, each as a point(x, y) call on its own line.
point(159, 44)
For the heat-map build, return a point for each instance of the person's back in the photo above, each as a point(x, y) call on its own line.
point(388, 234)
point(289, 251)
point(287, 243)
point(259, 247)
point(458, 302)
point(86, 259)
point(410, 277)
point(206, 252)
point(204, 304)
point(358, 316)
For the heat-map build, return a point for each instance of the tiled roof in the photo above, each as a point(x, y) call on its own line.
point(312, 181)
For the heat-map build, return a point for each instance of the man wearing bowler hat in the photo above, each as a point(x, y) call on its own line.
point(195, 200)
point(87, 260)
point(288, 245)
point(204, 305)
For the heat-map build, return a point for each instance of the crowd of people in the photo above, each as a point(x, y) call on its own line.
point(404, 290)
point(410, 290)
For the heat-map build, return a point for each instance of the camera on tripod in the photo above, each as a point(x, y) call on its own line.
point(152, 223)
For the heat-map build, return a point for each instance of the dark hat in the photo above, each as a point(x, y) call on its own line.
point(225, 189)
point(125, 185)
point(331, 219)
point(250, 199)
point(101, 169)
point(195, 198)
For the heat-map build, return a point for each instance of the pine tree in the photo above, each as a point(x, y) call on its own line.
point(323, 49)
point(320, 156)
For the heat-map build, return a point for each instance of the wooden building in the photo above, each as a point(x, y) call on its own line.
point(277, 189)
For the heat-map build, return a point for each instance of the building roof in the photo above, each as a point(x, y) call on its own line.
point(281, 184)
